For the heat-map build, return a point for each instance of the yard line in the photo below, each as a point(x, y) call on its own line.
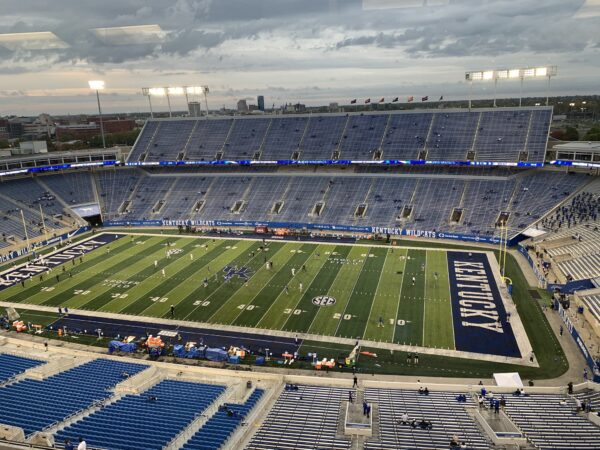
point(352, 291)
point(376, 289)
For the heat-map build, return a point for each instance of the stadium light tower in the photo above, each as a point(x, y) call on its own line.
point(175, 90)
point(511, 74)
point(98, 85)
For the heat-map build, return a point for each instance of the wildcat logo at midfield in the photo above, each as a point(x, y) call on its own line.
point(323, 300)
point(232, 271)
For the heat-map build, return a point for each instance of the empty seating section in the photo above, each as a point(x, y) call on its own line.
point(303, 419)
point(135, 194)
point(451, 136)
point(208, 139)
point(301, 197)
point(149, 192)
point(143, 142)
point(11, 366)
point(32, 196)
point(406, 135)
point(33, 405)
point(493, 135)
point(149, 420)
point(342, 198)
point(538, 134)
point(245, 138)
point(482, 203)
point(283, 138)
point(363, 136)
point(386, 199)
point(582, 267)
point(551, 422)
point(11, 222)
point(503, 136)
point(322, 137)
point(218, 428)
point(448, 417)
point(592, 303)
point(534, 196)
point(115, 189)
point(263, 195)
point(170, 141)
point(574, 250)
point(74, 188)
point(433, 202)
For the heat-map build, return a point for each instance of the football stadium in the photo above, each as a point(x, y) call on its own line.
point(368, 275)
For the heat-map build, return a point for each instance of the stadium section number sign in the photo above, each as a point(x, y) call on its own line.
point(323, 300)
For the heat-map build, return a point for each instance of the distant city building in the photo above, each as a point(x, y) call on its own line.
point(252, 108)
point(261, 102)
point(194, 109)
point(31, 148)
point(242, 106)
point(4, 134)
point(334, 107)
point(91, 129)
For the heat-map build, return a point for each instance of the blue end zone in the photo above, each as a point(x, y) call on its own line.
point(480, 321)
point(42, 264)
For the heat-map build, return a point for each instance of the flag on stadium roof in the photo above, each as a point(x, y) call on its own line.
point(382, 100)
point(395, 100)
point(441, 98)
point(352, 102)
point(368, 100)
point(424, 99)
point(410, 99)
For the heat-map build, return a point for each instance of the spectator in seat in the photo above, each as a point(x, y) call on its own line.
point(404, 420)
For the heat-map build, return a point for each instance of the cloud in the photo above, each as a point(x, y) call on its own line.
point(313, 49)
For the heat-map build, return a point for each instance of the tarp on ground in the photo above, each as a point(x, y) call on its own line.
point(195, 352)
point(121, 346)
point(511, 380)
point(216, 354)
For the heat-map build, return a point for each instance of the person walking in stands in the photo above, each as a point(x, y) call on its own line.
point(66, 311)
point(68, 445)
point(350, 397)
point(355, 384)
point(365, 406)
point(570, 388)
point(172, 311)
point(82, 444)
point(416, 359)
point(368, 411)
point(561, 330)
point(585, 374)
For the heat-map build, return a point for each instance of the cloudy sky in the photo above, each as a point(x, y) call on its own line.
point(309, 51)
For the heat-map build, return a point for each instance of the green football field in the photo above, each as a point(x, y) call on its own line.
point(324, 289)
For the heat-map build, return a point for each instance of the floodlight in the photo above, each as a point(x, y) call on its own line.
point(194, 90)
point(96, 85)
point(514, 73)
point(541, 71)
point(502, 74)
point(158, 92)
point(528, 73)
point(177, 90)
point(488, 75)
